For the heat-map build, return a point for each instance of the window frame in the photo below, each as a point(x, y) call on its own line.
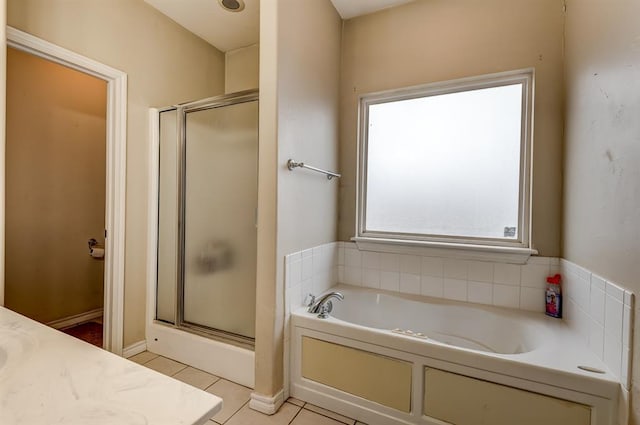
point(523, 241)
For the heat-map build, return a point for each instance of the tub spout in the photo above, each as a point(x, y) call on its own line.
point(323, 306)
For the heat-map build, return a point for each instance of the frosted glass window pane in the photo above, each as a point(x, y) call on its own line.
point(446, 164)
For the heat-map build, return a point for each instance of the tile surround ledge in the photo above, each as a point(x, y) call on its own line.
point(50, 377)
point(514, 255)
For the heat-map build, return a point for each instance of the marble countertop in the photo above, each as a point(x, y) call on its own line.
point(48, 377)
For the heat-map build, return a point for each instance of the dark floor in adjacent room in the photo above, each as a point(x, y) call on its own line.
point(90, 332)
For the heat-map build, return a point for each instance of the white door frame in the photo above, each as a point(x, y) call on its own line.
point(116, 174)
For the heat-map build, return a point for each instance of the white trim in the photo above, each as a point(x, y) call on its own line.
point(76, 319)
point(133, 349)
point(265, 404)
point(152, 211)
point(115, 176)
point(495, 254)
point(522, 76)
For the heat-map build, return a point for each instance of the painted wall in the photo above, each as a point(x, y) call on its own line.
point(242, 69)
point(299, 66)
point(439, 40)
point(55, 171)
point(165, 64)
point(602, 153)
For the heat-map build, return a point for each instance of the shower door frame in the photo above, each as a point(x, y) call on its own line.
point(181, 115)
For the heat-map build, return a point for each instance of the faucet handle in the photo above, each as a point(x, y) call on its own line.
point(325, 309)
point(310, 300)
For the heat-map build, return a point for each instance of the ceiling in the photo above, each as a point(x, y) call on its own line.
point(351, 8)
point(230, 30)
point(208, 20)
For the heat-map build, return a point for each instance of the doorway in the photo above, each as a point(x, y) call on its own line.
point(114, 183)
point(55, 195)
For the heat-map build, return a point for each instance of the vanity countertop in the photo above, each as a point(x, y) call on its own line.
point(48, 377)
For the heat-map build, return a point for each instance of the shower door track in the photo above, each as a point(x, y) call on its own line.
point(182, 110)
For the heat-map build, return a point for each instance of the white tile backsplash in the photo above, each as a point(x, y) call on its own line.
point(353, 275)
point(455, 269)
point(432, 266)
point(606, 308)
point(596, 304)
point(352, 258)
point(506, 296)
point(466, 280)
point(371, 260)
point(410, 283)
point(480, 292)
point(479, 271)
point(389, 262)
point(371, 278)
point(534, 275)
point(410, 264)
point(455, 289)
point(506, 274)
point(390, 281)
point(613, 316)
point(613, 353)
point(432, 286)
point(532, 299)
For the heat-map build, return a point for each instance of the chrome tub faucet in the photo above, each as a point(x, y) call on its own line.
point(323, 306)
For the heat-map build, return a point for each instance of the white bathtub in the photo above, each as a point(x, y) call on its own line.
point(516, 349)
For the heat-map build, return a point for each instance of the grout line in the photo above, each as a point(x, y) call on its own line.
point(326, 416)
point(185, 366)
point(236, 412)
point(296, 415)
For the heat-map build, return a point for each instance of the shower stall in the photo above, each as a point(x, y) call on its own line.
point(202, 294)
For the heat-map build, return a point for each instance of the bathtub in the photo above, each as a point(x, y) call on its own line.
point(387, 358)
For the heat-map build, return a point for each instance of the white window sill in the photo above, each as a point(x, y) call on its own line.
point(498, 254)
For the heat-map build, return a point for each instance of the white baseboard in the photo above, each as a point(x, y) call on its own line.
point(133, 349)
point(67, 322)
point(265, 404)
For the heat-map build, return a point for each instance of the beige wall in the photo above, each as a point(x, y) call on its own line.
point(242, 69)
point(300, 58)
point(602, 153)
point(165, 64)
point(437, 40)
point(55, 199)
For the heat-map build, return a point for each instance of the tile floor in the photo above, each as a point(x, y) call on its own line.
point(236, 409)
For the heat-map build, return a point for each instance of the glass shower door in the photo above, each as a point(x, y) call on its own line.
point(220, 193)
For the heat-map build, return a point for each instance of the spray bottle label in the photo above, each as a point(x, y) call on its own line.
point(553, 302)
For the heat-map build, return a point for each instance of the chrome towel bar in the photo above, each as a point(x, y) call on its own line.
point(291, 164)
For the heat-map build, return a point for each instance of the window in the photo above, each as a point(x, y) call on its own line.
point(447, 162)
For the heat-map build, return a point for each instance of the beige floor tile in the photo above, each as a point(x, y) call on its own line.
point(329, 413)
point(360, 423)
point(248, 416)
point(234, 396)
point(165, 366)
point(196, 377)
point(143, 357)
point(295, 401)
point(307, 417)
